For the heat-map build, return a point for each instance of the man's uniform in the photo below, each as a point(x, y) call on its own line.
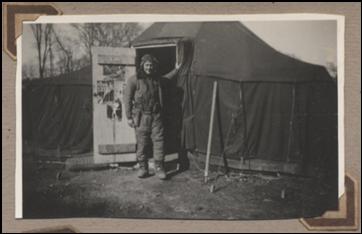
point(143, 103)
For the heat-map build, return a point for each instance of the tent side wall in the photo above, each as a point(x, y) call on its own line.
point(252, 119)
point(258, 121)
point(57, 114)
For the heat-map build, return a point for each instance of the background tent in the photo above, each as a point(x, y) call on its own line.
point(57, 113)
point(271, 108)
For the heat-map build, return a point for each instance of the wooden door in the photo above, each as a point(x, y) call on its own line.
point(113, 140)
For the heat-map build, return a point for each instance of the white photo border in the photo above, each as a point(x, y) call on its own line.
point(114, 18)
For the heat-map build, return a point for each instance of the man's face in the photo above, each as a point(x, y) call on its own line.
point(148, 67)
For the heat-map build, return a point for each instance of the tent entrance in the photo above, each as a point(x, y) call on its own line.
point(166, 55)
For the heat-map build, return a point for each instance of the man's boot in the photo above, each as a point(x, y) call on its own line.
point(160, 171)
point(143, 170)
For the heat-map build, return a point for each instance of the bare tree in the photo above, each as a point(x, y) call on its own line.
point(106, 34)
point(116, 35)
point(42, 34)
point(80, 62)
point(67, 59)
point(129, 31)
point(28, 71)
point(87, 33)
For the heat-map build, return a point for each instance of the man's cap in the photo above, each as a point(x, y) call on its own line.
point(150, 58)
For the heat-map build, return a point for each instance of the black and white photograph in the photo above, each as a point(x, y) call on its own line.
point(198, 119)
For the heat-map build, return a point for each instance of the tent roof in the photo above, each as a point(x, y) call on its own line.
point(229, 50)
point(168, 30)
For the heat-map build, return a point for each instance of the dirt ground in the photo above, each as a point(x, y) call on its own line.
point(50, 191)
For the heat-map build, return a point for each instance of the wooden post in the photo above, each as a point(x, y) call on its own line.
point(245, 153)
point(114, 121)
point(291, 123)
point(208, 152)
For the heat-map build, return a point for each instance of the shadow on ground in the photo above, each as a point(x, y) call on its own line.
point(50, 191)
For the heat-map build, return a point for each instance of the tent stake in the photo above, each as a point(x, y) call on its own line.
point(206, 174)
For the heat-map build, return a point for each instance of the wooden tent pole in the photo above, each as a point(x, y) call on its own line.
point(291, 123)
point(245, 152)
point(208, 152)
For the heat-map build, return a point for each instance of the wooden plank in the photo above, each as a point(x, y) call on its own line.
point(155, 43)
point(116, 148)
point(86, 162)
point(255, 165)
point(291, 123)
point(115, 59)
point(211, 127)
point(126, 54)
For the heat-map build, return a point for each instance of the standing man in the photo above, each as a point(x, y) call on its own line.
point(143, 103)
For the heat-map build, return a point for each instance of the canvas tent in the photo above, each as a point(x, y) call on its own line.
point(271, 108)
point(273, 112)
point(57, 113)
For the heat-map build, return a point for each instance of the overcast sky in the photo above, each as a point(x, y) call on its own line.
point(311, 41)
